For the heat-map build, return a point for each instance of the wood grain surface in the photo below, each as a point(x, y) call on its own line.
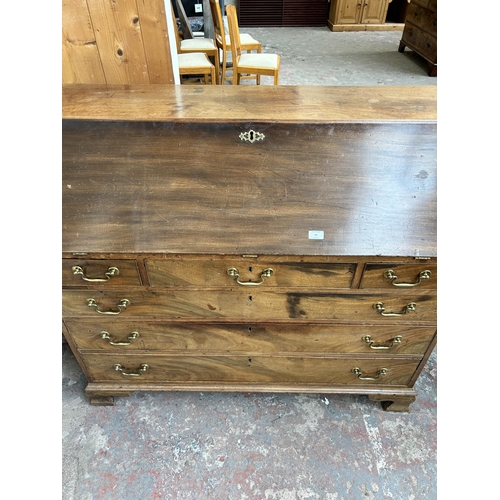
point(229, 104)
point(370, 188)
point(249, 338)
point(252, 305)
point(256, 369)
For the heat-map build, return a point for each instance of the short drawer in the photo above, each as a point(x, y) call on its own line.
point(422, 18)
point(141, 369)
point(126, 336)
point(262, 305)
point(249, 272)
point(400, 276)
point(83, 272)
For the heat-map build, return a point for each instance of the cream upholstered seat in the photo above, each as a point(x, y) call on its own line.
point(196, 63)
point(245, 63)
point(196, 44)
point(223, 41)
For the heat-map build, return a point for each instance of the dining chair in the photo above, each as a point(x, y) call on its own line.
point(193, 63)
point(223, 41)
point(249, 63)
point(196, 44)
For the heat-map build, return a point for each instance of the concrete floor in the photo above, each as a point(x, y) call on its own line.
point(198, 446)
point(316, 56)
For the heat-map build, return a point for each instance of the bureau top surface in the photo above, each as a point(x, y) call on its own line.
point(328, 171)
point(304, 104)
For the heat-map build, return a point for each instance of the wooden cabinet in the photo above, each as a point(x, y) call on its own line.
point(420, 32)
point(357, 15)
point(284, 246)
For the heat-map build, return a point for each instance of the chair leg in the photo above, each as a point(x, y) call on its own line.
point(224, 68)
point(217, 69)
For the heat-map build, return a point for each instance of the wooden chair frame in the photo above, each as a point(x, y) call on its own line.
point(248, 43)
point(249, 64)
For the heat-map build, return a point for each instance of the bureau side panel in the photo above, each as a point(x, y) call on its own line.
point(343, 189)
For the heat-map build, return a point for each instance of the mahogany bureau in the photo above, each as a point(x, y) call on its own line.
point(257, 239)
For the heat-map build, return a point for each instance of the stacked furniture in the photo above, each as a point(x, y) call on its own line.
point(193, 53)
point(282, 242)
point(420, 32)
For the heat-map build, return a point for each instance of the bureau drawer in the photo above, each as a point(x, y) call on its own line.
point(127, 336)
point(422, 42)
point(262, 305)
point(140, 369)
point(88, 272)
point(238, 271)
point(422, 18)
point(429, 4)
point(400, 276)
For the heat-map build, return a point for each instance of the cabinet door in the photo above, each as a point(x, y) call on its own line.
point(347, 11)
point(374, 11)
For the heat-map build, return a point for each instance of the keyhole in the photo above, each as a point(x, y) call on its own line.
point(250, 298)
point(249, 269)
point(249, 328)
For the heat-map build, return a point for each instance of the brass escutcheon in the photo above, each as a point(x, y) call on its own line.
point(252, 136)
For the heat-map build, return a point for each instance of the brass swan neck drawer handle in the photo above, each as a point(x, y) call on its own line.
point(122, 305)
point(234, 273)
point(112, 271)
point(379, 306)
point(359, 373)
point(133, 336)
point(396, 340)
point(142, 369)
point(391, 275)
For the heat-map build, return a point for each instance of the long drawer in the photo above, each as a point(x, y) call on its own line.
point(261, 305)
point(270, 273)
point(131, 369)
point(127, 336)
